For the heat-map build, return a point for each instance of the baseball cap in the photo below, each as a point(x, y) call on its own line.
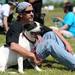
point(22, 6)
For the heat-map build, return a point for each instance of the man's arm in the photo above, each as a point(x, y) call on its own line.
point(59, 18)
point(24, 52)
point(65, 27)
point(5, 24)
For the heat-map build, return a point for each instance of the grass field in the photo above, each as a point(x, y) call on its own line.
point(50, 66)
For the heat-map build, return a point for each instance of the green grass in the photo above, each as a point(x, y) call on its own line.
point(50, 66)
point(50, 14)
point(2, 39)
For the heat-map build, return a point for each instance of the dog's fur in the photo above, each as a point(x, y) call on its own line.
point(9, 58)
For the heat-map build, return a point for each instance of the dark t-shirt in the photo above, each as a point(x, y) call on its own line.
point(13, 33)
point(17, 27)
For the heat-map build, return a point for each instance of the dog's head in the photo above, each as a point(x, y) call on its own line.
point(32, 30)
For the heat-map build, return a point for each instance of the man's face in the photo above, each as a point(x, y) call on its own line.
point(28, 14)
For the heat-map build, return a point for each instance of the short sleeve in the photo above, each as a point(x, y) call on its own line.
point(13, 34)
point(69, 19)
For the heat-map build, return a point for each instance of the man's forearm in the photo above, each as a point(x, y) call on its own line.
point(23, 52)
point(5, 23)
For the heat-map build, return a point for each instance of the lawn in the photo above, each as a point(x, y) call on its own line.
point(50, 65)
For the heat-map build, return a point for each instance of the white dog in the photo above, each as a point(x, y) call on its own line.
point(9, 58)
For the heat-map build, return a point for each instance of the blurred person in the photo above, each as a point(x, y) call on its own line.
point(3, 1)
point(5, 11)
point(68, 23)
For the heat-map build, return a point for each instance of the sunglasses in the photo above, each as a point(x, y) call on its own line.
point(29, 11)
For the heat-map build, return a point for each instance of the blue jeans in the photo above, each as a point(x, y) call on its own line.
point(52, 45)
